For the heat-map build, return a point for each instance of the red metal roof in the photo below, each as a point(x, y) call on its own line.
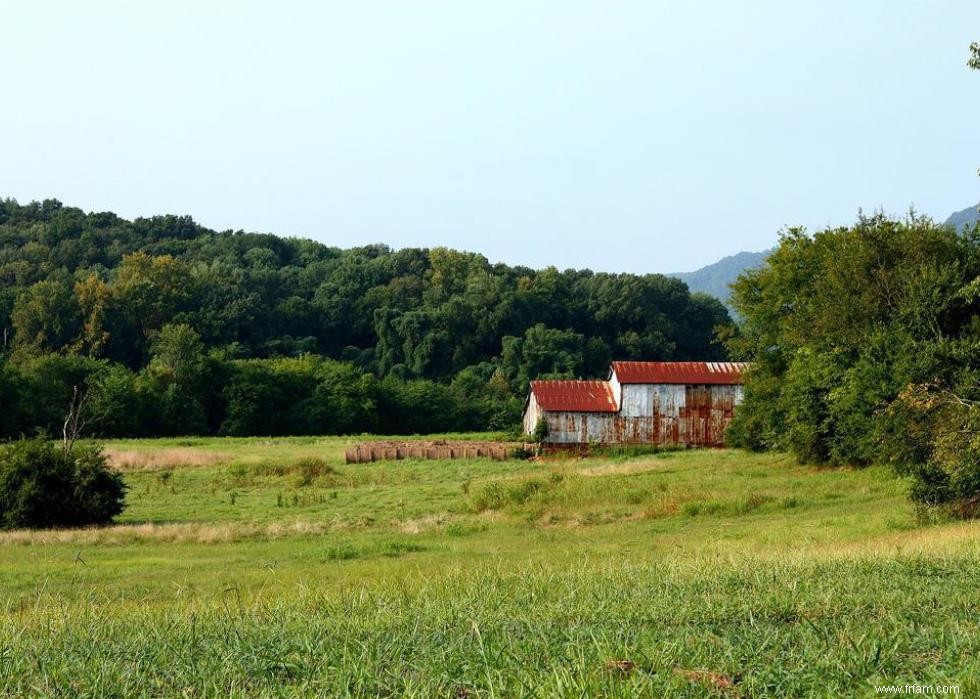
point(679, 372)
point(574, 396)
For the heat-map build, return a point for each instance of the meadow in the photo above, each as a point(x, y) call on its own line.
point(268, 567)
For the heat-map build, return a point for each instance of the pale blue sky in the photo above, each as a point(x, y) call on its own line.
point(621, 136)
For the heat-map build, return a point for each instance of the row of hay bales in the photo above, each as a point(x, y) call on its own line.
point(366, 453)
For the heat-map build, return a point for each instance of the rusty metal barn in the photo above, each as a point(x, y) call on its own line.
point(688, 403)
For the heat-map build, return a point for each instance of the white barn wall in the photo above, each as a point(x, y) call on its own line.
point(531, 414)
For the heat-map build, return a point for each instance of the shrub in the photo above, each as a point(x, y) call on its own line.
point(311, 468)
point(496, 495)
point(492, 496)
point(540, 431)
point(45, 487)
point(522, 453)
point(933, 437)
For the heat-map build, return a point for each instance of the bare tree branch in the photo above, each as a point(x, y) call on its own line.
point(74, 421)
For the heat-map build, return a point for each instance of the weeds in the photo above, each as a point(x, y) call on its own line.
point(496, 495)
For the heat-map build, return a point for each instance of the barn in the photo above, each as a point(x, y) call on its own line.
point(688, 403)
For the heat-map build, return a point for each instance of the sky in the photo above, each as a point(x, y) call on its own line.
point(619, 136)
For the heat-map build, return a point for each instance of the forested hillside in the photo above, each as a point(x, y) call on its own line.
point(173, 328)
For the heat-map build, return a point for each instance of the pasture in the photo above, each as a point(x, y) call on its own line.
point(269, 567)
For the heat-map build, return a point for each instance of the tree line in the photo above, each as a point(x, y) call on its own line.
point(865, 343)
point(174, 328)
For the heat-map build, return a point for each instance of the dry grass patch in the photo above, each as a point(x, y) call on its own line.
point(130, 460)
point(176, 533)
point(423, 524)
point(622, 469)
point(661, 506)
point(953, 536)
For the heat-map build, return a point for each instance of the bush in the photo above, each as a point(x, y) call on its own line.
point(540, 431)
point(933, 437)
point(838, 322)
point(44, 487)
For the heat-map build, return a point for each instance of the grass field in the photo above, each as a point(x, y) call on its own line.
point(269, 567)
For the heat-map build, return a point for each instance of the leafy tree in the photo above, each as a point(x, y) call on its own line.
point(46, 317)
point(150, 291)
point(840, 324)
point(178, 354)
point(543, 352)
point(94, 299)
point(935, 438)
point(344, 401)
point(46, 385)
point(119, 406)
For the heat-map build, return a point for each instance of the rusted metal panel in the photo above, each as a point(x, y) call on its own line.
point(577, 427)
point(574, 396)
point(646, 400)
point(706, 413)
point(679, 373)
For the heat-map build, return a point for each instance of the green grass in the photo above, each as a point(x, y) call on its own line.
point(270, 567)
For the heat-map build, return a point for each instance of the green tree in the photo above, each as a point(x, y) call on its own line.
point(150, 290)
point(118, 405)
point(178, 354)
point(543, 353)
point(839, 323)
point(46, 317)
point(94, 299)
point(176, 372)
point(97, 285)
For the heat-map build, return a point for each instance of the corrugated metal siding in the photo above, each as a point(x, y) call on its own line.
point(652, 413)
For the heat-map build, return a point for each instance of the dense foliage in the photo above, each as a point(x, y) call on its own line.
point(175, 329)
point(849, 330)
point(42, 486)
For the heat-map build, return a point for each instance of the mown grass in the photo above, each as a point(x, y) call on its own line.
point(276, 569)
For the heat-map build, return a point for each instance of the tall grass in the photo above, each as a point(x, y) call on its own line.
point(284, 571)
point(732, 628)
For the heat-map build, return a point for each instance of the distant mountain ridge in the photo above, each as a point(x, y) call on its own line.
point(715, 279)
point(967, 217)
